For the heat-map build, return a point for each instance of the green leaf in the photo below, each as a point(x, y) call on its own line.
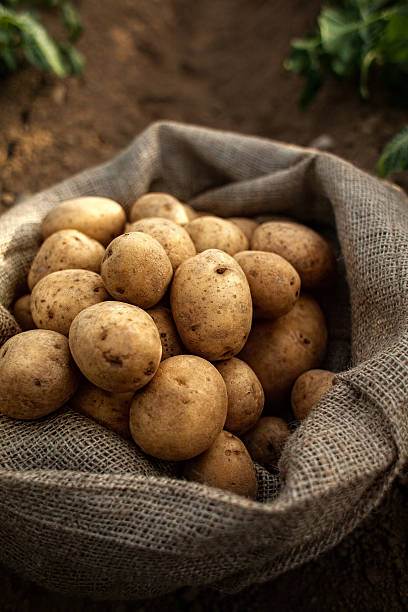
point(71, 20)
point(75, 59)
point(394, 157)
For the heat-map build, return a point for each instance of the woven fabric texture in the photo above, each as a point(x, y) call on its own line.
point(84, 512)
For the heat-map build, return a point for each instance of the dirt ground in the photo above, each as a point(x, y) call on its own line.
point(217, 64)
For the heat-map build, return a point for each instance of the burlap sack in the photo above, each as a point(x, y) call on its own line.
point(83, 512)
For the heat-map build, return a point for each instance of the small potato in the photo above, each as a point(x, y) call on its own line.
point(173, 238)
point(37, 374)
point(159, 205)
point(65, 250)
point(266, 440)
point(108, 409)
point(182, 410)
point(211, 305)
point(170, 340)
point(280, 350)
point(136, 269)
point(99, 218)
point(304, 248)
point(245, 395)
point(274, 282)
point(60, 296)
point(216, 233)
point(308, 389)
point(116, 346)
point(248, 226)
point(225, 465)
point(22, 313)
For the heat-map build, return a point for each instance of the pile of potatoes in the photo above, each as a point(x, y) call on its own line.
point(187, 333)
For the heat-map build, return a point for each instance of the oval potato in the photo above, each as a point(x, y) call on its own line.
point(159, 205)
point(99, 218)
point(245, 224)
point(216, 233)
point(22, 312)
point(308, 389)
point(169, 338)
point(266, 440)
point(225, 465)
point(211, 305)
point(182, 410)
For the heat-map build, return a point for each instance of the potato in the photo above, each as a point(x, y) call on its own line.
point(308, 389)
point(211, 305)
point(173, 238)
point(216, 233)
point(108, 409)
point(248, 226)
point(304, 248)
point(60, 296)
point(170, 340)
point(159, 205)
point(274, 282)
point(280, 350)
point(136, 269)
point(266, 440)
point(37, 374)
point(190, 212)
point(182, 410)
point(245, 395)
point(65, 250)
point(116, 346)
point(99, 218)
point(225, 465)
point(22, 312)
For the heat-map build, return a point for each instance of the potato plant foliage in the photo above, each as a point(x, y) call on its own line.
point(22, 35)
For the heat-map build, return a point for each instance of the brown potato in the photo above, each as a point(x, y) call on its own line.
point(216, 233)
point(65, 250)
point(182, 410)
point(99, 218)
point(136, 269)
point(308, 389)
point(225, 465)
point(211, 305)
point(159, 205)
point(173, 238)
point(245, 395)
point(116, 346)
point(266, 440)
point(248, 226)
point(108, 409)
point(37, 374)
point(304, 248)
point(274, 282)
point(22, 312)
point(60, 296)
point(190, 211)
point(280, 350)
point(170, 340)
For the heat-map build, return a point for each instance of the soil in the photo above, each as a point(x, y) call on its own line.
point(216, 64)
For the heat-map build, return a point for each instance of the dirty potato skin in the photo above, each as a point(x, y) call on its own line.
point(106, 408)
point(60, 296)
point(181, 411)
point(37, 374)
point(248, 226)
point(266, 440)
point(280, 350)
point(22, 312)
point(99, 218)
point(245, 395)
point(274, 282)
point(170, 340)
point(225, 465)
point(216, 233)
point(136, 269)
point(304, 248)
point(308, 389)
point(65, 250)
point(159, 205)
point(173, 238)
point(116, 346)
point(211, 305)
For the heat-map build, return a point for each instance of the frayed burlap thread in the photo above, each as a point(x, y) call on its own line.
point(84, 512)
